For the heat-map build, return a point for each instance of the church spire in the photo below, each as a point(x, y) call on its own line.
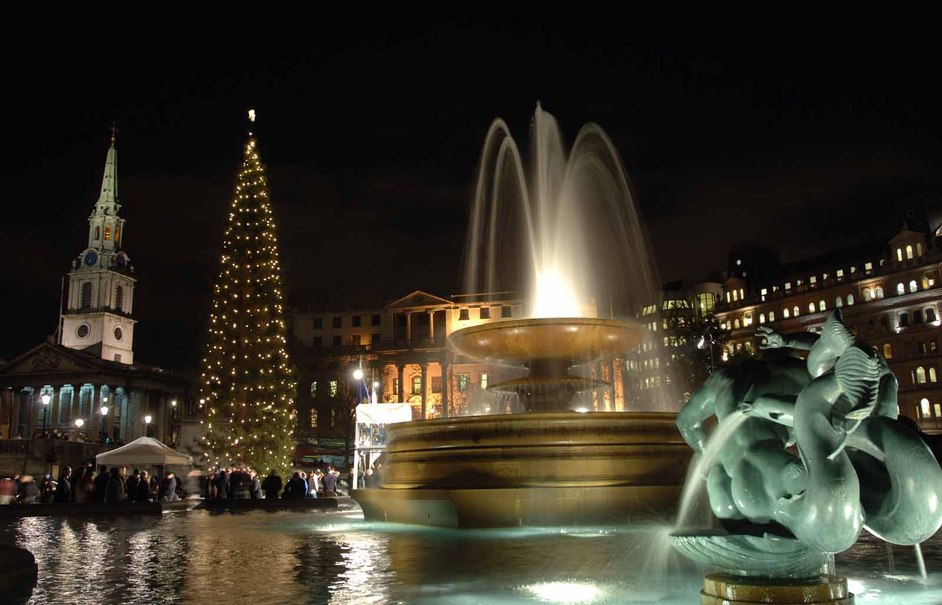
point(109, 182)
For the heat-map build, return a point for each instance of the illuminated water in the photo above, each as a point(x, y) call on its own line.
point(331, 558)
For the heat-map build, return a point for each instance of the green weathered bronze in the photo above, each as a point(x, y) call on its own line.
point(856, 465)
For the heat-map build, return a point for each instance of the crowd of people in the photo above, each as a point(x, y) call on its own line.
point(86, 486)
point(241, 482)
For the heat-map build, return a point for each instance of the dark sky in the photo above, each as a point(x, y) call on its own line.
point(372, 131)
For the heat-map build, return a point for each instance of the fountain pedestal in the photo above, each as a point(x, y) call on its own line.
point(726, 589)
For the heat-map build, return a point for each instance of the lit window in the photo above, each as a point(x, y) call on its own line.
point(821, 306)
point(868, 267)
point(878, 292)
point(761, 318)
point(900, 289)
point(918, 249)
point(736, 324)
point(850, 299)
point(924, 405)
point(813, 279)
point(484, 379)
point(840, 273)
point(741, 295)
point(785, 313)
point(738, 262)
point(788, 285)
point(313, 418)
point(314, 389)
point(909, 249)
point(899, 254)
point(838, 302)
point(795, 311)
point(932, 375)
point(735, 295)
point(810, 307)
point(867, 294)
point(417, 384)
point(333, 389)
point(771, 315)
point(464, 381)
point(938, 410)
point(853, 269)
point(921, 375)
point(888, 351)
point(913, 286)
point(107, 233)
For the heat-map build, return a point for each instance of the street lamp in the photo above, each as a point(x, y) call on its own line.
point(45, 398)
point(104, 412)
point(147, 420)
point(79, 423)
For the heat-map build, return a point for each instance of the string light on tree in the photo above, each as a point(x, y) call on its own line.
point(247, 382)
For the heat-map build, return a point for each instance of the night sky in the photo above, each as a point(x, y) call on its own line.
point(372, 134)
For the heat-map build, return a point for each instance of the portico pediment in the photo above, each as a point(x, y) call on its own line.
point(47, 358)
point(418, 299)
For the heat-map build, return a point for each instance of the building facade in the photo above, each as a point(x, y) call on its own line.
point(83, 391)
point(889, 293)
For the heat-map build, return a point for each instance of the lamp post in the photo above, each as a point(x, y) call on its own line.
point(174, 428)
point(147, 420)
point(358, 375)
point(45, 398)
point(104, 413)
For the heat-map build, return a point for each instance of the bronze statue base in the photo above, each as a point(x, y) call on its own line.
point(725, 589)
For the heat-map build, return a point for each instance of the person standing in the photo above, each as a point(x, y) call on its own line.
point(116, 491)
point(330, 481)
point(131, 485)
point(272, 485)
point(101, 484)
point(64, 487)
point(143, 488)
point(85, 487)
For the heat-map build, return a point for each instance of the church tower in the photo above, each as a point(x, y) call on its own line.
point(97, 315)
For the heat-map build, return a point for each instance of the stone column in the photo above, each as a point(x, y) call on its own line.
point(402, 379)
point(611, 386)
point(424, 367)
point(445, 384)
point(431, 325)
point(409, 328)
point(619, 385)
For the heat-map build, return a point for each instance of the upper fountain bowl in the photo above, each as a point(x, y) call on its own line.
point(525, 342)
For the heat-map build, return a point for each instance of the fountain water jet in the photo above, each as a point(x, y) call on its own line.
point(580, 240)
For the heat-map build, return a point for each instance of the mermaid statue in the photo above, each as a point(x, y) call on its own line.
point(819, 456)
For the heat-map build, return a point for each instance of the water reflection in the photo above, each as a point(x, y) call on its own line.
point(326, 558)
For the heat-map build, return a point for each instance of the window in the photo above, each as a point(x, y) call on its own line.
point(337, 322)
point(417, 384)
point(374, 339)
point(484, 313)
point(902, 319)
point(335, 341)
point(357, 321)
point(318, 323)
point(436, 384)
point(376, 319)
point(868, 267)
point(878, 292)
point(736, 324)
point(464, 381)
point(932, 375)
point(97, 233)
point(913, 286)
point(355, 340)
point(930, 315)
point(900, 289)
point(921, 375)
point(333, 389)
point(795, 311)
point(840, 274)
point(867, 294)
point(850, 299)
point(484, 380)
point(117, 356)
point(909, 248)
point(119, 298)
point(918, 249)
point(899, 254)
point(735, 296)
point(727, 297)
point(785, 313)
point(838, 302)
point(924, 407)
point(463, 315)
point(318, 342)
point(117, 234)
point(107, 233)
point(313, 418)
point(813, 280)
point(313, 389)
point(333, 417)
point(822, 306)
point(761, 318)
point(506, 311)
point(65, 404)
point(938, 410)
point(771, 315)
point(810, 307)
point(928, 347)
point(888, 351)
point(87, 295)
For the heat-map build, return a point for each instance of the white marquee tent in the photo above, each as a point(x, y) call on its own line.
point(142, 451)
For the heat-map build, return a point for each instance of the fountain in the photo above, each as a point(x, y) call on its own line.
point(580, 241)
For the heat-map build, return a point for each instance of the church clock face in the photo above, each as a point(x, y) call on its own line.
point(118, 333)
point(91, 257)
point(82, 331)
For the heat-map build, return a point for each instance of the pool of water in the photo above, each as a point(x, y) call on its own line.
point(204, 557)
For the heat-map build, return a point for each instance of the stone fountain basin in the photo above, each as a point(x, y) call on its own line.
point(524, 342)
point(548, 468)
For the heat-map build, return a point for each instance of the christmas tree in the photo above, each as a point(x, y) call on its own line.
point(247, 386)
